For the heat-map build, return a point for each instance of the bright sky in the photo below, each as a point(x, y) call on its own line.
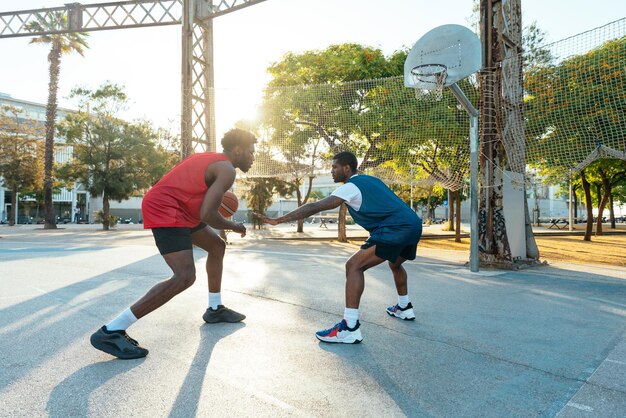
point(147, 61)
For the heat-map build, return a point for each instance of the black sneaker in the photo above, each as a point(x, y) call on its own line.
point(222, 314)
point(117, 343)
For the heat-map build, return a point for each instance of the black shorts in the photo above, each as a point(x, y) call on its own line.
point(171, 240)
point(391, 252)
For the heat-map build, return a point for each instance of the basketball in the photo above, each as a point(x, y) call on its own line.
point(229, 205)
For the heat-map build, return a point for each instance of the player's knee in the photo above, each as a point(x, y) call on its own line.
point(185, 277)
point(353, 265)
point(395, 266)
point(217, 248)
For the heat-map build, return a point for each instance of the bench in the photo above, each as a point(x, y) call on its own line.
point(324, 220)
point(558, 223)
point(561, 222)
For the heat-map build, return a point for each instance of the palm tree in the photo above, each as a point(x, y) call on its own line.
point(61, 43)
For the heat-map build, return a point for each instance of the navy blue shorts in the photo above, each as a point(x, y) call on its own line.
point(171, 240)
point(391, 252)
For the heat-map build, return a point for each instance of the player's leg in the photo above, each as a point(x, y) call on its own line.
point(176, 248)
point(355, 274)
point(348, 330)
point(403, 309)
point(215, 246)
point(183, 267)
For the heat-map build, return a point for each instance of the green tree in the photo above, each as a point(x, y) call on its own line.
point(260, 190)
point(574, 110)
point(60, 44)
point(111, 157)
point(604, 176)
point(329, 108)
point(21, 156)
point(533, 41)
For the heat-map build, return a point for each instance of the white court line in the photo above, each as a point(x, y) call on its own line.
point(580, 406)
point(290, 253)
point(615, 361)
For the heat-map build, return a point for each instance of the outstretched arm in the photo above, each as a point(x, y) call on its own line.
point(304, 211)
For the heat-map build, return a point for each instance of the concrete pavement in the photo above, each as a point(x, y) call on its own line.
point(547, 341)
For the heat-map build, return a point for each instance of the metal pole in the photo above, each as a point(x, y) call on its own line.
point(186, 79)
point(458, 93)
point(474, 193)
point(210, 83)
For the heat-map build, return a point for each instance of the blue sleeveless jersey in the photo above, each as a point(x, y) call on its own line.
point(383, 214)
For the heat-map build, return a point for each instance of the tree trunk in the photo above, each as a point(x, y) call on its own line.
point(601, 191)
point(106, 220)
point(341, 223)
point(451, 197)
point(606, 197)
point(51, 112)
point(303, 201)
point(428, 220)
point(458, 216)
point(589, 205)
point(13, 206)
point(300, 222)
point(611, 211)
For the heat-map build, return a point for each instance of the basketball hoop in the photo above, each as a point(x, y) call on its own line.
point(431, 78)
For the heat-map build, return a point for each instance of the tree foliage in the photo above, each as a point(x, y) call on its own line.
point(574, 109)
point(21, 154)
point(111, 157)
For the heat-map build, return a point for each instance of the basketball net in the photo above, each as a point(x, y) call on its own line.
point(431, 79)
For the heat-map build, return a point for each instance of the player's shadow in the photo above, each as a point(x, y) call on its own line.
point(70, 314)
point(65, 400)
point(188, 398)
point(377, 365)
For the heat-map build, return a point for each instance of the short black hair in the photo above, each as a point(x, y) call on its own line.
point(347, 158)
point(236, 137)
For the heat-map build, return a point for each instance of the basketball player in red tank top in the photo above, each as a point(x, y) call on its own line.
point(182, 211)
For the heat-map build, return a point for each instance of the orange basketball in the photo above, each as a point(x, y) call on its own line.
point(229, 205)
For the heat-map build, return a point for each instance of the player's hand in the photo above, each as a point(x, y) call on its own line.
point(265, 219)
point(240, 228)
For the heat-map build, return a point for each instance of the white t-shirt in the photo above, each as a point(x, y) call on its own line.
point(351, 194)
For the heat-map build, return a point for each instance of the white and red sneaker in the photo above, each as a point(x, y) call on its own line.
point(403, 313)
point(341, 333)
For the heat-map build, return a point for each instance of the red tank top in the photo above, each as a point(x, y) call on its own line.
point(176, 199)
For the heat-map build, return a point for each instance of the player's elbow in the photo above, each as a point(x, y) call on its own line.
point(209, 217)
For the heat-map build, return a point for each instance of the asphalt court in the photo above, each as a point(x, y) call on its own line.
point(546, 341)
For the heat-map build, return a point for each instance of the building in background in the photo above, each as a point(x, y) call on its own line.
point(70, 205)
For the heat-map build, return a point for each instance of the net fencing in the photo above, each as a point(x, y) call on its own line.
point(574, 112)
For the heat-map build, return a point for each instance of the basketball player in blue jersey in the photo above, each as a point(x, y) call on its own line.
point(395, 229)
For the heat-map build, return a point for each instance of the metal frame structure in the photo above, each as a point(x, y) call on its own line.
point(196, 17)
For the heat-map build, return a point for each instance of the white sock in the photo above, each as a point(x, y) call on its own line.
point(122, 322)
point(215, 299)
point(403, 300)
point(351, 316)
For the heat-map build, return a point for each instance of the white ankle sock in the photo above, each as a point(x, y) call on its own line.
point(123, 321)
point(215, 299)
point(403, 300)
point(351, 316)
